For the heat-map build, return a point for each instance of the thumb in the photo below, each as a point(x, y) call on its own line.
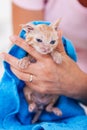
point(60, 46)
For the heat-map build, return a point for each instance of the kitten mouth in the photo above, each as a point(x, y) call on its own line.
point(45, 51)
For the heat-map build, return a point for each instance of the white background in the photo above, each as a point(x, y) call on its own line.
point(5, 27)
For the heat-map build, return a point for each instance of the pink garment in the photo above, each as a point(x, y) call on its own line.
point(73, 24)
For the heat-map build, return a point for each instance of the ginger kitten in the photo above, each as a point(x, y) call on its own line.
point(44, 38)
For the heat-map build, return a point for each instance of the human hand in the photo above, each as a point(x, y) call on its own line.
point(48, 77)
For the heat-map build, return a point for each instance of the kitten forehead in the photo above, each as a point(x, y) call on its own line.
point(43, 27)
point(46, 30)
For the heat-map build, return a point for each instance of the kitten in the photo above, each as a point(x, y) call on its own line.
point(44, 38)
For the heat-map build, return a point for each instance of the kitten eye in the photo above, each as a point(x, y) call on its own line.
point(52, 42)
point(39, 40)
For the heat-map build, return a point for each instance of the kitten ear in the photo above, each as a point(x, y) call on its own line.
point(56, 24)
point(27, 27)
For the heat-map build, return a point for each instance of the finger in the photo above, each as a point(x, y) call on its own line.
point(23, 76)
point(26, 77)
point(23, 44)
point(9, 58)
point(60, 46)
point(13, 61)
point(37, 87)
point(43, 88)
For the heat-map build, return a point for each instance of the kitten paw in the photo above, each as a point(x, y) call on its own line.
point(57, 57)
point(57, 111)
point(23, 64)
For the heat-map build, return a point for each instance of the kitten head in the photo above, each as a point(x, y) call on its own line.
point(44, 38)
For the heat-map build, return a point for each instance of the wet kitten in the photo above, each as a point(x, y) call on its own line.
point(44, 38)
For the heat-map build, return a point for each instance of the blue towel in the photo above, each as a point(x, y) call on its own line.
point(14, 113)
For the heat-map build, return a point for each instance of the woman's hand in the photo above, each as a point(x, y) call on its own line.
point(47, 76)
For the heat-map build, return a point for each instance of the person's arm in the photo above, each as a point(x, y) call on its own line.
point(47, 76)
point(22, 16)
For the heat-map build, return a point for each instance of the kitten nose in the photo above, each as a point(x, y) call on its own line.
point(46, 48)
point(46, 45)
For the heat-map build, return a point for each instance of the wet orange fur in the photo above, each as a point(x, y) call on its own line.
point(46, 34)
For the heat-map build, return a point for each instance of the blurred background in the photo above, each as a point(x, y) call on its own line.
point(5, 27)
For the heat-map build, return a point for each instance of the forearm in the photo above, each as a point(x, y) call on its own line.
point(22, 16)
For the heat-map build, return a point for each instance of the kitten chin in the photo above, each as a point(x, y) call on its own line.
point(43, 50)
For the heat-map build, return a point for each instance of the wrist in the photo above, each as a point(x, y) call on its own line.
point(81, 88)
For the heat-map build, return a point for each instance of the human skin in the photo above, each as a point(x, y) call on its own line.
point(48, 77)
point(22, 16)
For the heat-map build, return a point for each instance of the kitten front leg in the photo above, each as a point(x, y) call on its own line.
point(57, 57)
point(24, 62)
